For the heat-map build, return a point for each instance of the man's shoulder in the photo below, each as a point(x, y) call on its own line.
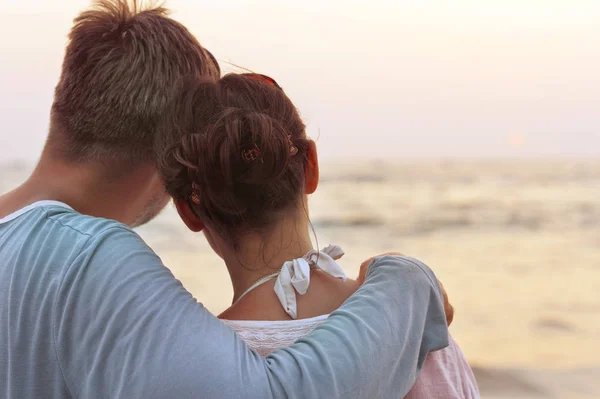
point(98, 237)
point(84, 225)
point(63, 233)
point(94, 247)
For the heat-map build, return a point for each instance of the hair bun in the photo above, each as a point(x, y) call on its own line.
point(267, 141)
point(233, 140)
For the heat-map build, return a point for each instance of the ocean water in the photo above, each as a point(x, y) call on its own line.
point(516, 244)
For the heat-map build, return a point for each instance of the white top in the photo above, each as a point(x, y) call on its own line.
point(445, 374)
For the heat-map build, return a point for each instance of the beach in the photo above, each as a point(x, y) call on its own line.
point(538, 383)
point(515, 242)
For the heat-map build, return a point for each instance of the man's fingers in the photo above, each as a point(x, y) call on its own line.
point(364, 267)
point(448, 309)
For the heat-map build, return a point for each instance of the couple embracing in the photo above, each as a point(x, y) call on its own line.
point(141, 116)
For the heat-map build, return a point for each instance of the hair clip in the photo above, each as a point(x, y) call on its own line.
point(251, 155)
point(293, 148)
point(195, 196)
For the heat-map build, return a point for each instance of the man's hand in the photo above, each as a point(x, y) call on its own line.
point(364, 267)
point(448, 309)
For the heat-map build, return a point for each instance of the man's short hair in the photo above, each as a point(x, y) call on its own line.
point(119, 65)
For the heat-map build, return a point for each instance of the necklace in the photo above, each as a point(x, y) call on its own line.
point(258, 283)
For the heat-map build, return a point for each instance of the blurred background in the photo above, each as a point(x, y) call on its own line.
point(464, 133)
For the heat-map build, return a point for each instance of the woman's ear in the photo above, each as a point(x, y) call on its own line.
point(188, 216)
point(311, 168)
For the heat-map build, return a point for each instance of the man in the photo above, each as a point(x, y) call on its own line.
point(88, 310)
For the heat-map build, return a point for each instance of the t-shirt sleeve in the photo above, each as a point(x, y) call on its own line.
point(125, 327)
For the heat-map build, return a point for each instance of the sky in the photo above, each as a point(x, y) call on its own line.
point(394, 79)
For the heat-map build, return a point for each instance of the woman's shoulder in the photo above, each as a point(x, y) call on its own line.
point(324, 295)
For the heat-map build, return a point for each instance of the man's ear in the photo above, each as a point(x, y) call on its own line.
point(311, 168)
point(188, 216)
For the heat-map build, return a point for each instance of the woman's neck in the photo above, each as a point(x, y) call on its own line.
point(258, 256)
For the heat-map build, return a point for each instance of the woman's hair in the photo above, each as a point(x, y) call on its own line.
point(238, 147)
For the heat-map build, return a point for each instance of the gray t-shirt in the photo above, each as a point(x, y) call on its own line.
point(87, 310)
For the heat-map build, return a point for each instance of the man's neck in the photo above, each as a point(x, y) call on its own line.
point(84, 187)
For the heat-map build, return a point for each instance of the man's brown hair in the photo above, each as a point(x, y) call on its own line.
point(119, 65)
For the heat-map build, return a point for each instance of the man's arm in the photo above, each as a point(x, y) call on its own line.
point(374, 345)
point(125, 327)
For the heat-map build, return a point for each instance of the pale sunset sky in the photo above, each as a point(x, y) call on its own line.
point(396, 79)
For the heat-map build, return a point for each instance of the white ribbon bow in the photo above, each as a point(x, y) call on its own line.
point(295, 275)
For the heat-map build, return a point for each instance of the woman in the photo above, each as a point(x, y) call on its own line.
point(240, 168)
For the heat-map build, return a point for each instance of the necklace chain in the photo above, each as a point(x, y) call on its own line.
point(263, 280)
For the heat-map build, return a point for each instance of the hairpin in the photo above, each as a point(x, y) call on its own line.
point(293, 148)
point(252, 154)
point(195, 196)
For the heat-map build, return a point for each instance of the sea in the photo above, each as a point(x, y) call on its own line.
point(516, 243)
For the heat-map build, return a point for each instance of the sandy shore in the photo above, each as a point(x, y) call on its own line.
point(530, 383)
